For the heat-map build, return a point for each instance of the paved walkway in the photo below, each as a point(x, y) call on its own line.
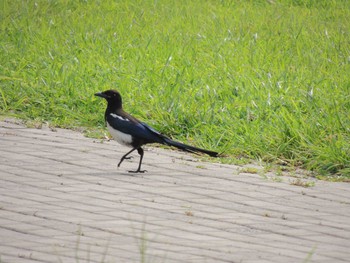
point(64, 200)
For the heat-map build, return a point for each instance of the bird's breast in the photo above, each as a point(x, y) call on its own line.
point(120, 137)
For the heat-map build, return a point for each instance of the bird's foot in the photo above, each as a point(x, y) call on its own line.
point(138, 171)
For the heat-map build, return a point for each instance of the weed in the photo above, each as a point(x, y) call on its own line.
point(277, 179)
point(310, 254)
point(78, 249)
point(249, 170)
point(143, 245)
point(299, 182)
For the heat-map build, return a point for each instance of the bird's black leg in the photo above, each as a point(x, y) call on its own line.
point(140, 151)
point(125, 156)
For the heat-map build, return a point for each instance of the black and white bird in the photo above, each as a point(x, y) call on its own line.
point(129, 131)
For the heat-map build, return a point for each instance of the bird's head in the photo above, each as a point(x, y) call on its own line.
point(112, 97)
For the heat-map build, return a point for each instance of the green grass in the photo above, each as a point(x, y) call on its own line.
point(262, 79)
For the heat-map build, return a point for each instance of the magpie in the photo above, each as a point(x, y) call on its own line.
point(129, 131)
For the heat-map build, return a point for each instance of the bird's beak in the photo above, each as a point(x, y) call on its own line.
point(100, 94)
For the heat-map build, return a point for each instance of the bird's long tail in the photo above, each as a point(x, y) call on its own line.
point(189, 148)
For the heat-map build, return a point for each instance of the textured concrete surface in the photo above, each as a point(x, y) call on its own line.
point(62, 199)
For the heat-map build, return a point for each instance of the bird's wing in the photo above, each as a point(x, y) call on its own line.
point(133, 127)
point(152, 130)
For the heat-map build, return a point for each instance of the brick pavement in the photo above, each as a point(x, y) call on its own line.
point(64, 200)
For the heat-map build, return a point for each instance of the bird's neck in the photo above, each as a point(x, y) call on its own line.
point(113, 108)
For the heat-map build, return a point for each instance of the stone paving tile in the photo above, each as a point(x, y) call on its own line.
point(64, 200)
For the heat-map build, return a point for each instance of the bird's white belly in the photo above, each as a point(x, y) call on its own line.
point(120, 137)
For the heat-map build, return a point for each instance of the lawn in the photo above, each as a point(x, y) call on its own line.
point(263, 79)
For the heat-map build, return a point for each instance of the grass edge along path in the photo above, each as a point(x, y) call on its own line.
point(261, 79)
